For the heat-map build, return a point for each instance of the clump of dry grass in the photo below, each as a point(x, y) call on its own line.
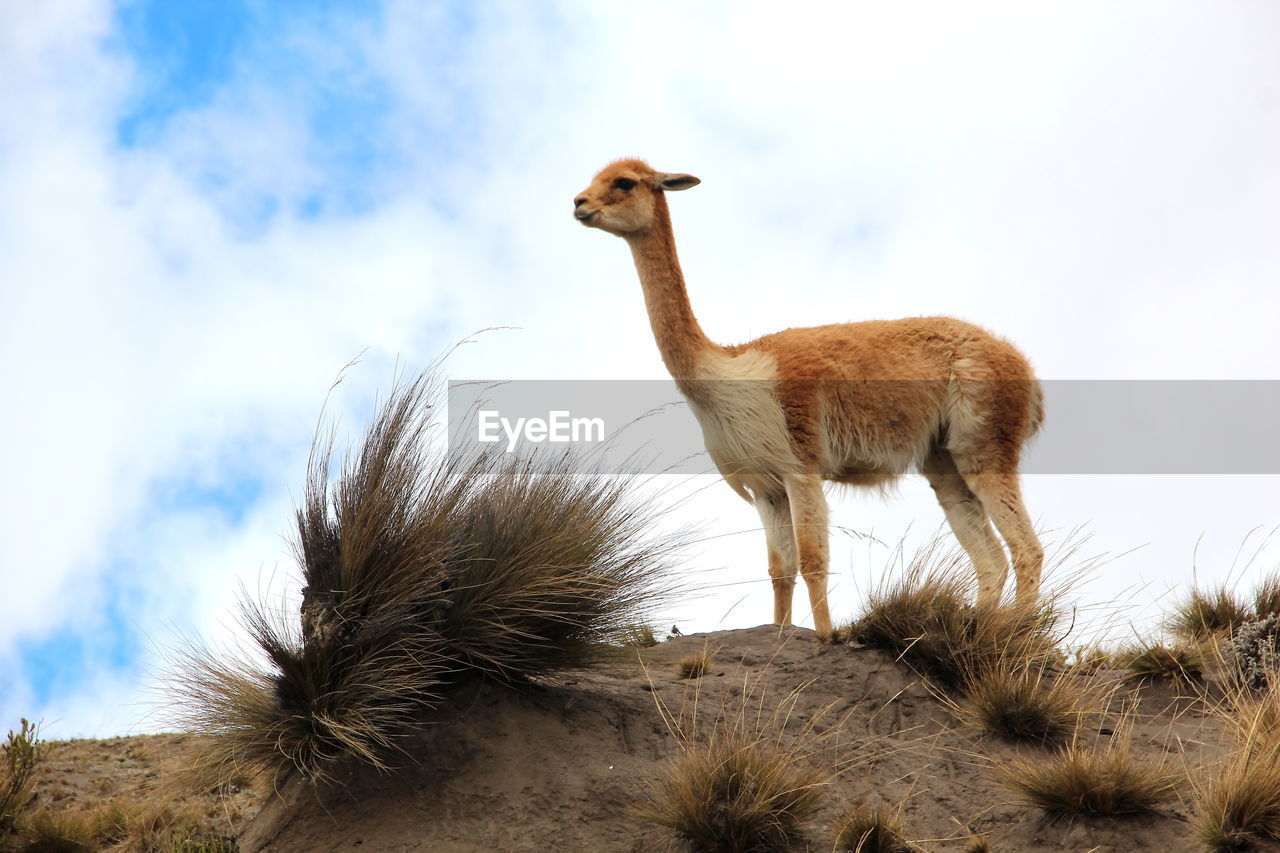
point(69, 829)
point(157, 824)
point(1177, 664)
point(1087, 660)
point(1266, 597)
point(927, 621)
point(696, 665)
point(62, 831)
point(742, 786)
point(1021, 703)
point(1103, 780)
point(1208, 615)
point(977, 844)
point(110, 823)
point(864, 830)
point(639, 636)
point(734, 792)
point(421, 568)
point(1238, 803)
point(1250, 717)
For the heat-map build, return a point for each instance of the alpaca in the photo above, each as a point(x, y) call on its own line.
point(853, 403)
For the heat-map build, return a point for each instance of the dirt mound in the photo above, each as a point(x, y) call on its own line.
point(560, 767)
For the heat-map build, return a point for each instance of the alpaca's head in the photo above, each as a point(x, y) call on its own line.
point(623, 198)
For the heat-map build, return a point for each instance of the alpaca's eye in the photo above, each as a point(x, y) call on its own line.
point(624, 184)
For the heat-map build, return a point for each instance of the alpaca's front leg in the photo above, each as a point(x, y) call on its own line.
point(775, 515)
point(809, 519)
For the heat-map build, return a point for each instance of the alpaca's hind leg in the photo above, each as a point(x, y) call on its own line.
point(775, 515)
point(809, 518)
point(1001, 496)
point(968, 520)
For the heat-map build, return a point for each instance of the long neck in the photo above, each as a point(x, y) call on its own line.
point(680, 339)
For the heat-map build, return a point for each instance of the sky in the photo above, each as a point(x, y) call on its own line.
point(208, 209)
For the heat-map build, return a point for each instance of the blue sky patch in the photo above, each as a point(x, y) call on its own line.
point(229, 498)
point(75, 654)
point(301, 60)
point(183, 52)
point(360, 134)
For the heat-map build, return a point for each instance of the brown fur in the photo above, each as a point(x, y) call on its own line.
point(853, 403)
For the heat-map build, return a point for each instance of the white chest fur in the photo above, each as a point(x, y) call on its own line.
point(735, 401)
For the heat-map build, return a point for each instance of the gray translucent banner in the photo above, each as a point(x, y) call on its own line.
point(1140, 427)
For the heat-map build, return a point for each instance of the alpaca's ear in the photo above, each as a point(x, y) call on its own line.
point(676, 182)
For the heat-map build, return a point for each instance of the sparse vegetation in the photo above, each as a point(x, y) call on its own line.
point(696, 665)
point(1176, 664)
point(762, 782)
point(1022, 703)
point(1208, 615)
point(864, 830)
point(926, 620)
point(1103, 780)
point(24, 752)
point(117, 794)
point(421, 569)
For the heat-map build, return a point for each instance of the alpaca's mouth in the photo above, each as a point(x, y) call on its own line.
point(585, 216)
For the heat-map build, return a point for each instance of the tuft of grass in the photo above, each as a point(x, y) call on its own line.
point(1078, 781)
point(926, 620)
point(135, 825)
point(1241, 805)
point(110, 823)
point(1266, 598)
point(1027, 704)
point(742, 786)
point(734, 792)
point(1177, 664)
point(977, 844)
point(696, 665)
point(1208, 615)
point(1238, 803)
point(60, 831)
point(864, 830)
point(421, 568)
point(639, 636)
point(23, 754)
point(172, 825)
point(1251, 718)
point(1087, 660)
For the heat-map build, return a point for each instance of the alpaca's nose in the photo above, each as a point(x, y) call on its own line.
point(580, 201)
